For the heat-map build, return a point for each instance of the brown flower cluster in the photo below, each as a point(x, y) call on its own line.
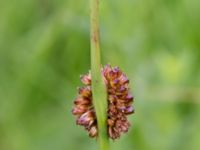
point(119, 103)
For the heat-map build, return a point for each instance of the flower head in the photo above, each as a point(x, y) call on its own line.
point(119, 103)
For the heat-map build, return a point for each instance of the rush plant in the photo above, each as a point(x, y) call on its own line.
point(103, 103)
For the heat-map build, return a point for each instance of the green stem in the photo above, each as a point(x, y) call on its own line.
point(98, 86)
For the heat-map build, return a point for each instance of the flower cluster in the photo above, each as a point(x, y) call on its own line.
point(119, 103)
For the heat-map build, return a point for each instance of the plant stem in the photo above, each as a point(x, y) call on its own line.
point(99, 92)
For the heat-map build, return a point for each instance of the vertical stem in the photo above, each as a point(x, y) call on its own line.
point(98, 86)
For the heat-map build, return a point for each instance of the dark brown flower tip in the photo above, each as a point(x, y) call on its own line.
point(119, 103)
point(85, 91)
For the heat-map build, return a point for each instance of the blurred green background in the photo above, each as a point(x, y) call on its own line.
point(44, 47)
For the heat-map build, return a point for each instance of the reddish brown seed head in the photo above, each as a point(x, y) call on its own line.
point(119, 103)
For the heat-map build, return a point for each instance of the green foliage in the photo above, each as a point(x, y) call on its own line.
point(44, 47)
